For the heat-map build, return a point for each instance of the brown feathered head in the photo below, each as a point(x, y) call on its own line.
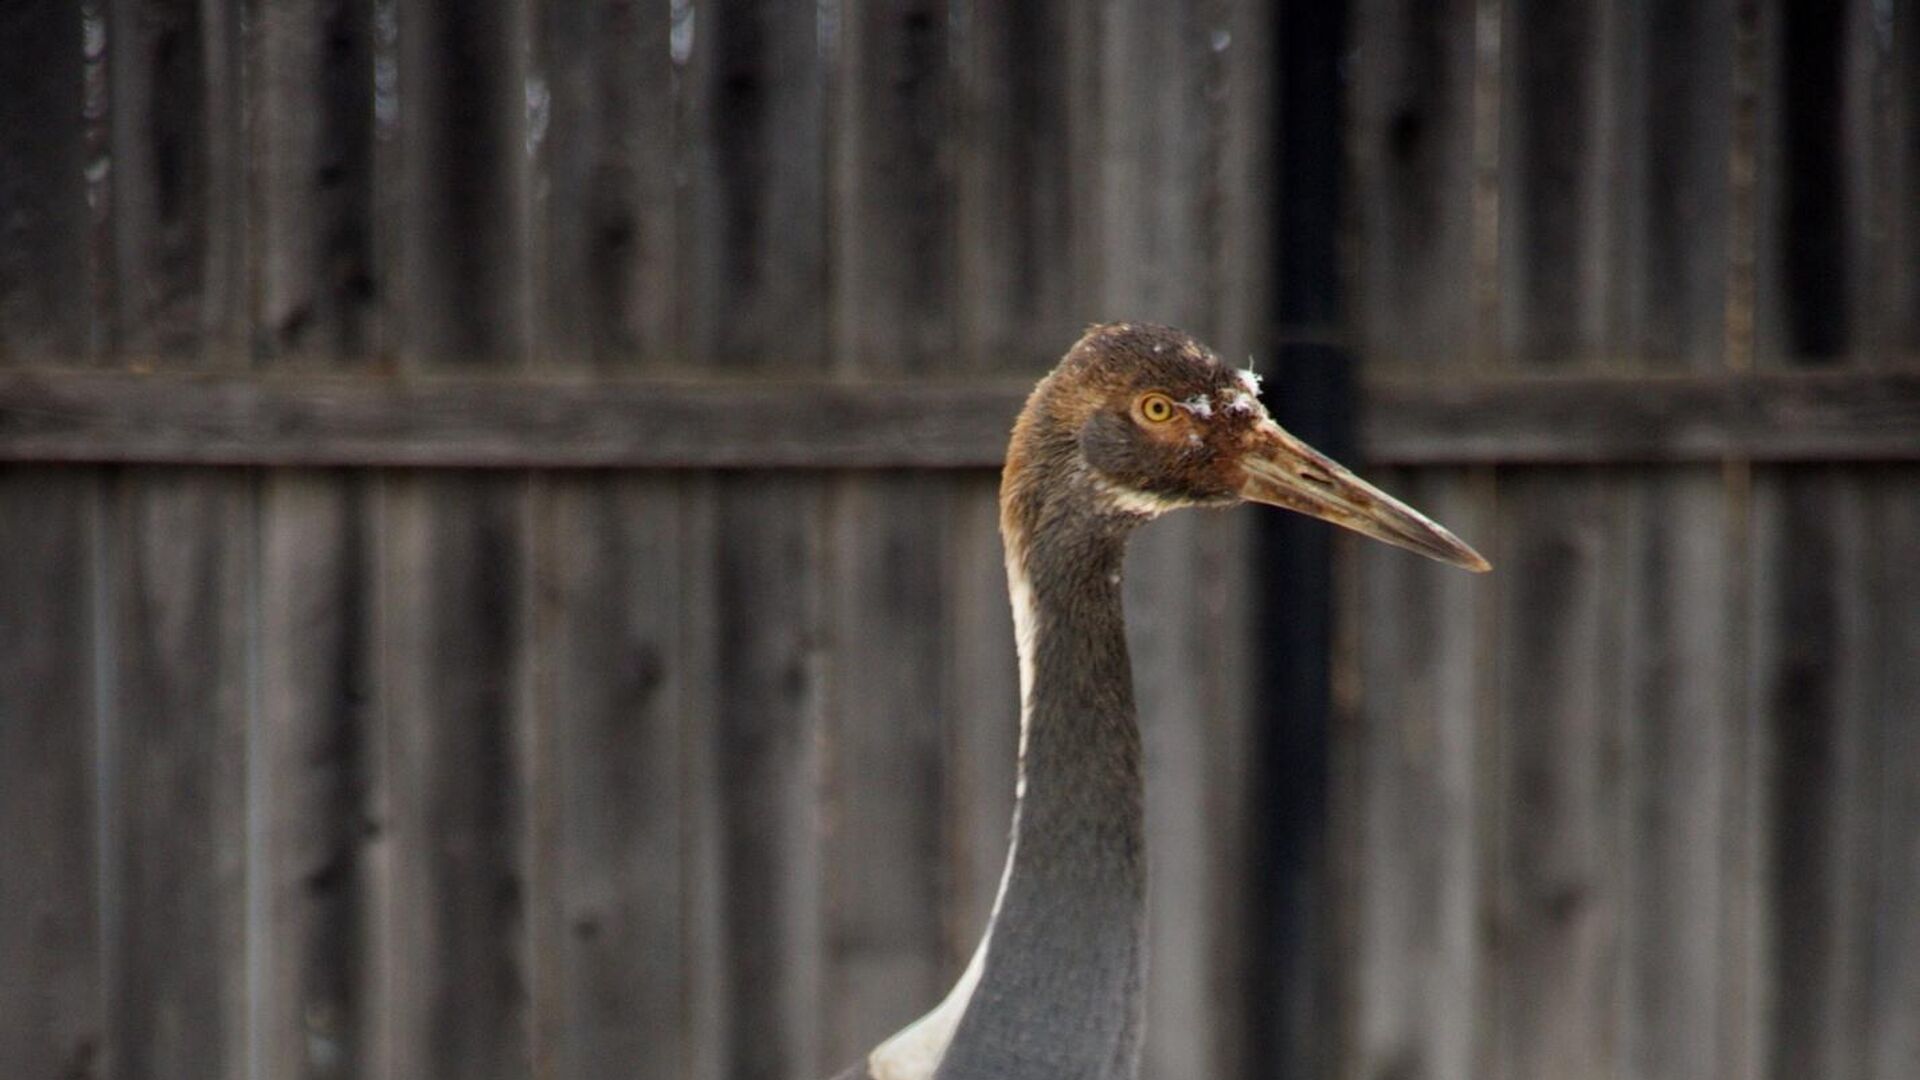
point(1140, 419)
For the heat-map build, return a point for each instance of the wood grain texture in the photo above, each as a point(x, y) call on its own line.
point(80, 417)
point(606, 203)
point(313, 270)
point(1416, 677)
point(754, 241)
point(1411, 137)
point(1814, 243)
point(1814, 300)
point(450, 667)
point(1422, 811)
point(755, 235)
point(1559, 869)
point(611, 598)
point(49, 787)
point(891, 191)
point(454, 565)
point(318, 737)
point(315, 893)
point(178, 191)
point(1014, 207)
point(1812, 649)
point(1681, 669)
point(892, 188)
point(44, 222)
point(766, 748)
point(1894, 978)
point(459, 290)
point(1770, 417)
point(887, 623)
point(178, 550)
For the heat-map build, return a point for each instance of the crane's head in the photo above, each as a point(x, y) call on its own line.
point(1140, 419)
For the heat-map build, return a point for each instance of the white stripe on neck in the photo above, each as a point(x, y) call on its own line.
point(916, 1051)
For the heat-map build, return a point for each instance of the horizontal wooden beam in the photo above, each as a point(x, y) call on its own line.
point(524, 423)
point(1852, 415)
point(94, 416)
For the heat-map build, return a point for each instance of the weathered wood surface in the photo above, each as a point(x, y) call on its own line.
point(50, 985)
point(175, 772)
point(1414, 781)
point(613, 692)
point(1645, 419)
point(315, 768)
point(455, 569)
point(448, 421)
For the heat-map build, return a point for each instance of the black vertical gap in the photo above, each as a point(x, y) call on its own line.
point(1310, 391)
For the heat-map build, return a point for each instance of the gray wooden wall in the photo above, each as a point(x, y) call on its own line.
point(1646, 803)
point(497, 559)
point(353, 770)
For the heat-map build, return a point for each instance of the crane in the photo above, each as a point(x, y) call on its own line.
point(1137, 420)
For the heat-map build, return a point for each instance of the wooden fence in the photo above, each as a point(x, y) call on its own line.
point(1646, 803)
point(499, 574)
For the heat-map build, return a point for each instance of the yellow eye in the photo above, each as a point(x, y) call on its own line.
point(1157, 408)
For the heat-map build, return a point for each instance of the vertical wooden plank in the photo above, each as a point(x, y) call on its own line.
point(43, 196)
point(178, 186)
point(1420, 677)
point(1411, 139)
point(890, 653)
point(1555, 192)
point(754, 243)
point(314, 296)
point(893, 251)
point(1422, 810)
point(1813, 306)
point(1672, 87)
point(180, 544)
point(608, 921)
point(310, 82)
point(461, 285)
point(612, 597)
point(1559, 869)
point(451, 618)
point(1898, 271)
point(1809, 640)
point(1895, 979)
point(766, 747)
point(603, 100)
point(50, 984)
point(317, 736)
point(1014, 205)
point(1813, 299)
point(1894, 1004)
point(893, 259)
point(755, 236)
point(1561, 875)
point(180, 549)
point(453, 567)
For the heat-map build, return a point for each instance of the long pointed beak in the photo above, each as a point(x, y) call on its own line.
point(1282, 471)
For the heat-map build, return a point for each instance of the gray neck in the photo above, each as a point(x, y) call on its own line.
point(1060, 995)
